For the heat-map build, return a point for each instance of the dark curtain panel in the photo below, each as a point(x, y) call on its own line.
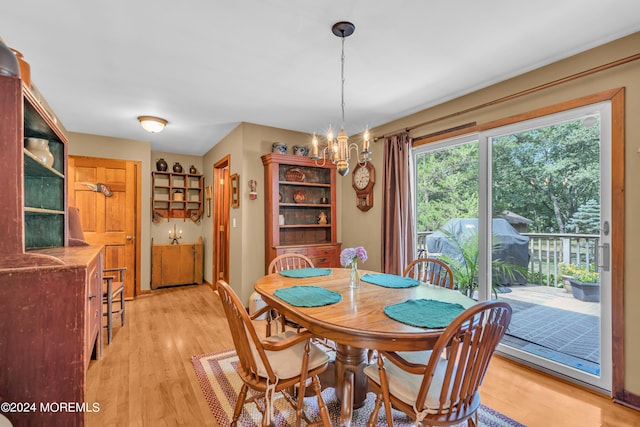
point(397, 220)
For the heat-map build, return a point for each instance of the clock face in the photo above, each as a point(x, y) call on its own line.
point(361, 178)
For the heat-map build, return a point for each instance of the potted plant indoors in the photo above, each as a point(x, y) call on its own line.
point(585, 284)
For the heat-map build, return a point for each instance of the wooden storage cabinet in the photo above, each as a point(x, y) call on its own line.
point(51, 294)
point(52, 326)
point(180, 264)
point(44, 192)
point(34, 195)
point(177, 195)
point(297, 194)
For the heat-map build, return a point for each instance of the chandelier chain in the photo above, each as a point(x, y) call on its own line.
point(342, 79)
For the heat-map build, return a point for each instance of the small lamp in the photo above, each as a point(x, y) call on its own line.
point(152, 124)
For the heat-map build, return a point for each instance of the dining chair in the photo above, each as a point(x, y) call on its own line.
point(290, 261)
point(440, 386)
point(280, 363)
point(113, 292)
point(430, 270)
point(112, 284)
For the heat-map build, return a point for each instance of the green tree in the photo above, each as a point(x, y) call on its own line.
point(543, 174)
point(546, 174)
point(587, 219)
point(447, 186)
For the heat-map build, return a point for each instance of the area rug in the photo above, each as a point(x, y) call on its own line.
point(220, 384)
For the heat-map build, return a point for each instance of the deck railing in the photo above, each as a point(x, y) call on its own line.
point(546, 252)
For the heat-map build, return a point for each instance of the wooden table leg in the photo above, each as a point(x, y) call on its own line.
point(350, 380)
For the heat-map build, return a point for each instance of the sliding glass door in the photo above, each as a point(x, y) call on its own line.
point(527, 208)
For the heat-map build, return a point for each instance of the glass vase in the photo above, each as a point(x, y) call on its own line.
point(355, 276)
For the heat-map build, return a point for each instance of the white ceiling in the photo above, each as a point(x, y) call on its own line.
point(206, 65)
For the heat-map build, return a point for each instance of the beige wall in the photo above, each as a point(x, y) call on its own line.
point(245, 145)
point(358, 230)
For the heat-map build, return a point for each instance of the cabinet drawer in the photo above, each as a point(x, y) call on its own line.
point(324, 256)
point(320, 255)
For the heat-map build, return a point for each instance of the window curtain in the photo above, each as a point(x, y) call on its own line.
point(397, 219)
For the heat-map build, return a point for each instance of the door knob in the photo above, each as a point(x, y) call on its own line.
point(129, 237)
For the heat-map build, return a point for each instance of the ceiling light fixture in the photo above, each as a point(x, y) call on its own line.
point(339, 146)
point(152, 124)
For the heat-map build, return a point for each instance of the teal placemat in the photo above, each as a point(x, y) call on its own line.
point(390, 280)
point(424, 313)
point(300, 273)
point(308, 296)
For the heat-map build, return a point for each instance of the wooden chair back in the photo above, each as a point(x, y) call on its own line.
point(250, 349)
point(289, 262)
point(430, 270)
point(286, 262)
point(460, 358)
point(244, 335)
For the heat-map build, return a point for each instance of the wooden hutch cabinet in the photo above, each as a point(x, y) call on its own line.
point(50, 294)
point(300, 209)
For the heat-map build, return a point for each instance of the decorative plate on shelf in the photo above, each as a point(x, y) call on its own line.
point(299, 196)
point(294, 175)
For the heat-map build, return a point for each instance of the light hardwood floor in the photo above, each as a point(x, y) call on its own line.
point(145, 377)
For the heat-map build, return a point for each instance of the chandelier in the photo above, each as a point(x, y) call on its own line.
point(337, 149)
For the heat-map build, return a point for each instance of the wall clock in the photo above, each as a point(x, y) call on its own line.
point(363, 178)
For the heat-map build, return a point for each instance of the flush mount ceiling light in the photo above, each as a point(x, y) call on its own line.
point(152, 124)
point(338, 149)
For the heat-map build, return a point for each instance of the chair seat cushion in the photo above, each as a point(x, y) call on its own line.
point(288, 363)
point(405, 386)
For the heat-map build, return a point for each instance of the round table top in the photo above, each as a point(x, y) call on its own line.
point(358, 319)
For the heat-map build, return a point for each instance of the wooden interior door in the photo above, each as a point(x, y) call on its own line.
point(108, 220)
point(221, 204)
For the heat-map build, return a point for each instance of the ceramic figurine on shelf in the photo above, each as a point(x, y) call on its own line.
point(279, 147)
point(40, 149)
point(300, 150)
point(322, 218)
point(193, 170)
point(161, 165)
point(8, 61)
point(25, 68)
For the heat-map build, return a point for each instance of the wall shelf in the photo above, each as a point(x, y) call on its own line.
point(177, 195)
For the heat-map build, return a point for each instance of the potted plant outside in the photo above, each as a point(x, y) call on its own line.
point(566, 272)
point(585, 284)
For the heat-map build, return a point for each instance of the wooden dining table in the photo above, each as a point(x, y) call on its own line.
point(357, 323)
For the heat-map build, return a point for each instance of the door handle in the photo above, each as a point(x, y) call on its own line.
point(606, 257)
point(129, 237)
